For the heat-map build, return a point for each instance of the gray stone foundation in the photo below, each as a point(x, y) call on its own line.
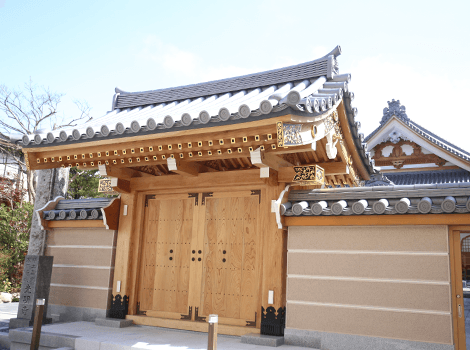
point(62, 313)
point(335, 341)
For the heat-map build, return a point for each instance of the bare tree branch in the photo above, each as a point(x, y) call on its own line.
point(24, 111)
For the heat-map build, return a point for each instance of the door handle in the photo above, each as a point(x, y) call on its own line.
point(460, 311)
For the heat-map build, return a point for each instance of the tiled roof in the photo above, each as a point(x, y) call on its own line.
point(395, 109)
point(310, 89)
point(412, 199)
point(77, 209)
point(429, 177)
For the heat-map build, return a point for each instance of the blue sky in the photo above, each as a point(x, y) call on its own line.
point(414, 51)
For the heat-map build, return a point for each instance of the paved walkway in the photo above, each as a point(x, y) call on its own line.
point(7, 311)
point(92, 336)
point(143, 337)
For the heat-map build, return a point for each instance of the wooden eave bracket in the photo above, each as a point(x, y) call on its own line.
point(120, 185)
point(111, 214)
point(266, 161)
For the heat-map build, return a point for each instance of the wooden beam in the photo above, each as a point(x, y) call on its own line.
point(120, 185)
point(75, 223)
point(181, 167)
point(286, 174)
point(292, 149)
point(379, 220)
point(121, 173)
point(225, 131)
point(206, 180)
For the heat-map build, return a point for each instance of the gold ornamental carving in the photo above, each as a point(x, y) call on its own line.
point(309, 175)
point(288, 134)
point(104, 186)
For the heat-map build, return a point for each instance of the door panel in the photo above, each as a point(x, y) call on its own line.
point(223, 231)
point(167, 255)
point(230, 284)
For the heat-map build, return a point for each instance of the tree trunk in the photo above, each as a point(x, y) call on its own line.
point(30, 185)
point(51, 183)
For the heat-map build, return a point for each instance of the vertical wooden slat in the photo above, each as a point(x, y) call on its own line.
point(123, 261)
point(274, 252)
point(457, 288)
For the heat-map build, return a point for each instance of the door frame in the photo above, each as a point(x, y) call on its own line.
point(458, 320)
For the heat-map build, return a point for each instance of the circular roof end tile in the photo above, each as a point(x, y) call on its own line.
point(25, 140)
point(104, 130)
point(224, 114)
point(90, 133)
point(204, 117)
point(76, 135)
point(448, 205)
point(402, 206)
point(359, 207)
point(151, 124)
point(168, 121)
point(120, 129)
point(135, 126)
point(244, 111)
point(186, 119)
point(50, 137)
point(425, 205)
point(265, 107)
point(63, 136)
point(380, 206)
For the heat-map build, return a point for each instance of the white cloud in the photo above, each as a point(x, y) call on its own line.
point(431, 100)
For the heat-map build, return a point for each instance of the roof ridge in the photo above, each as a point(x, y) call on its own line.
point(335, 52)
point(324, 66)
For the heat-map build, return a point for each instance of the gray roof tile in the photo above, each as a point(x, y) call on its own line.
point(451, 177)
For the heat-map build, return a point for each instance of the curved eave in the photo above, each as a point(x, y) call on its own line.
point(362, 159)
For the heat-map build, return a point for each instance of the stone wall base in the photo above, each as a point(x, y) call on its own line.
point(336, 341)
point(62, 313)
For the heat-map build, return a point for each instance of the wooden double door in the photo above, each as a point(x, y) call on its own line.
point(201, 255)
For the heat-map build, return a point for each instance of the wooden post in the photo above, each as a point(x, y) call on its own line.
point(37, 324)
point(212, 335)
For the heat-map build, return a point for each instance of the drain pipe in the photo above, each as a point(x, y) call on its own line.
point(276, 207)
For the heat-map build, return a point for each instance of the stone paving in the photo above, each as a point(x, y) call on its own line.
point(143, 337)
point(92, 336)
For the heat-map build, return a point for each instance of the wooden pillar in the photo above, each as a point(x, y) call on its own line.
point(274, 250)
point(123, 246)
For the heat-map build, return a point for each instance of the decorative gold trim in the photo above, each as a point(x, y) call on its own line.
point(309, 175)
point(280, 134)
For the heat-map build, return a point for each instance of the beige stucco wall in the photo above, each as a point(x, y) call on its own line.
point(387, 281)
point(83, 268)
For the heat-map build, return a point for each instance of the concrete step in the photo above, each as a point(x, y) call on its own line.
point(113, 322)
point(20, 338)
point(260, 339)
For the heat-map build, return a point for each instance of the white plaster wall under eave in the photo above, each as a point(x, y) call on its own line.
point(395, 124)
point(414, 166)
